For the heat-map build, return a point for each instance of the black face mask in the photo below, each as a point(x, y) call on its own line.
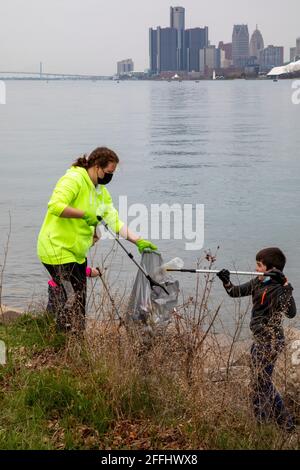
point(107, 178)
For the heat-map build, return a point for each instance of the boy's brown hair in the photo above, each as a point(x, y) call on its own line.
point(272, 258)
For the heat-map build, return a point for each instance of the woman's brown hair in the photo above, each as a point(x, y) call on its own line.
point(101, 157)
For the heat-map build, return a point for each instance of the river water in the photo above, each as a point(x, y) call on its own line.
point(232, 146)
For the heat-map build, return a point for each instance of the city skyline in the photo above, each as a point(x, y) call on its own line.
point(172, 48)
point(76, 36)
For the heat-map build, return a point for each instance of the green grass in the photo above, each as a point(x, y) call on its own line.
point(33, 332)
point(56, 397)
point(30, 399)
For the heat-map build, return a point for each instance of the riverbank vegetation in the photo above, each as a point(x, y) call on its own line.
point(119, 388)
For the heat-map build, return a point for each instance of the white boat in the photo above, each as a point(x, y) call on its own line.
point(176, 78)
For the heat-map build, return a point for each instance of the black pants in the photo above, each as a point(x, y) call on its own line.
point(267, 402)
point(69, 317)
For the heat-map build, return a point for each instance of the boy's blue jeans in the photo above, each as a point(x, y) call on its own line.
point(267, 402)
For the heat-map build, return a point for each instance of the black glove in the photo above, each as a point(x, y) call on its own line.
point(224, 275)
point(277, 276)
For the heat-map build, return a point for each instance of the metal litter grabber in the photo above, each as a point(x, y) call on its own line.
point(214, 271)
point(151, 281)
point(176, 265)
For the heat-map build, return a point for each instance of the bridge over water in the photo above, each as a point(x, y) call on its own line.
point(12, 75)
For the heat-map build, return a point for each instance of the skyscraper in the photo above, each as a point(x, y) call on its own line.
point(298, 46)
point(177, 21)
point(293, 53)
point(225, 54)
point(271, 57)
point(227, 48)
point(166, 49)
point(256, 44)
point(175, 49)
point(209, 59)
point(240, 45)
point(153, 52)
point(125, 66)
point(194, 40)
point(177, 18)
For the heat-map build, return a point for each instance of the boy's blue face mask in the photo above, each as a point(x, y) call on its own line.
point(266, 279)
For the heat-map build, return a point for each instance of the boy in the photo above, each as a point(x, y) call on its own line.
point(272, 297)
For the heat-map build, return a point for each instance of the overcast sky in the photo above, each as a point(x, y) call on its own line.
point(90, 36)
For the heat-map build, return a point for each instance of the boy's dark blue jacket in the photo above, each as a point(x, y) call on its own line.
point(270, 302)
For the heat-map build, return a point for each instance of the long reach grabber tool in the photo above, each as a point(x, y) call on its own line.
point(151, 281)
point(176, 266)
point(214, 271)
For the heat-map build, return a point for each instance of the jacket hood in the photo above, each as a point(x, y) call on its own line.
point(77, 170)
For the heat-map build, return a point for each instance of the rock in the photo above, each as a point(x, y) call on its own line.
point(228, 362)
point(223, 353)
point(238, 374)
point(288, 365)
point(8, 315)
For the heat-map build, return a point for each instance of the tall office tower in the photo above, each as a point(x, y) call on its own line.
point(153, 65)
point(177, 21)
point(298, 46)
point(240, 45)
point(177, 18)
point(256, 44)
point(167, 49)
point(227, 48)
point(125, 66)
point(195, 39)
point(271, 57)
point(293, 53)
point(225, 54)
point(209, 59)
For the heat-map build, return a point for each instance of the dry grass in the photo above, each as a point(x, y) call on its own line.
point(119, 388)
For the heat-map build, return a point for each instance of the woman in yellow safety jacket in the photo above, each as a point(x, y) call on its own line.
point(69, 230)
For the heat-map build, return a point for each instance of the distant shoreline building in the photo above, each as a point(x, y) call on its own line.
point(163, 50)
point(240, 45)
point(167, 49)
point(209, 60)
point(188, 53)
point(124, 67)
point(177, 21)
point(196, 39)
point(298, 46)
point(256, 44)
point(153, 51)
point(271, 56)
point(225, 54)
point(176, 49)
point(293, 53)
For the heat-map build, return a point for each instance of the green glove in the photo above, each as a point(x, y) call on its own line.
point(144, 245)
point(91, 219)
